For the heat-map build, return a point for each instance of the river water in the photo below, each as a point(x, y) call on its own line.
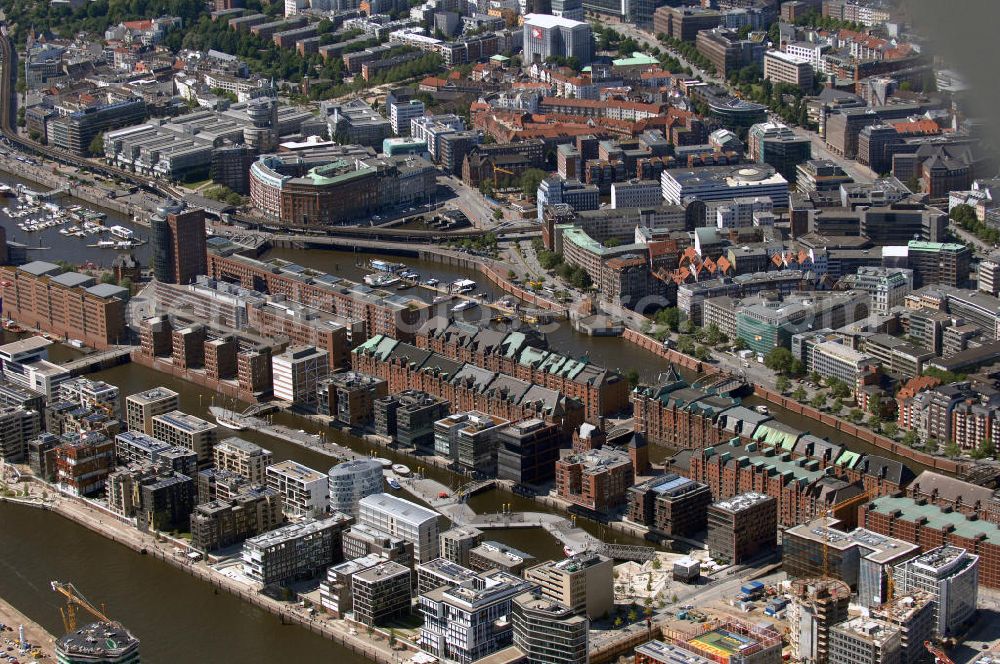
point(176, 615)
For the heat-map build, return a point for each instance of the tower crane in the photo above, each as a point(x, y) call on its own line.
point(940, 657)
point(74, 602)
point(498, 169)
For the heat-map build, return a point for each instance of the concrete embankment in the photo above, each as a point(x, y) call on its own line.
point(48, 179)
point(109, 525)
point(36, 635)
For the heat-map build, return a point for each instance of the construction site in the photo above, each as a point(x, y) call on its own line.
point(105, 640)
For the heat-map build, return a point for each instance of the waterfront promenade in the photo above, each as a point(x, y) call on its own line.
point(92, 516)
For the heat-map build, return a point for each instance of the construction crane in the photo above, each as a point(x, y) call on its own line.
point(498, 169)
point(74, 602)
point(940, 657)
point(831, 514)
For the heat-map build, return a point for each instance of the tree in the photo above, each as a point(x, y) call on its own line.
point(108, 278)
point(854, 415)
point(951, 450)
point(632, 615)
point(799, 394)
point(779, 360)
point(498, 214)
point(392, 638)
point(815, 378)
point(96, 146)
point(910, 438)
point(875, 404)
point(530, 180)
point(782, 383)
point(670, 317)
point(618, 622)
point(612, 242)
point(633, 377)
point(890, 429)
point(986, 449)
point(818, 401)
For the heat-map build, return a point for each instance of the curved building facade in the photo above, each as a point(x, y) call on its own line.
point(351, 481)
point(329, 189)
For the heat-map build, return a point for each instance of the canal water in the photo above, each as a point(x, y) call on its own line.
point(177, 617)
point(51, 245)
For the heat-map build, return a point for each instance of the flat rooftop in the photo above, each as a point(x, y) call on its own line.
point(398, 508)
point(294, 469)
point(875, 547)
point(184, 422)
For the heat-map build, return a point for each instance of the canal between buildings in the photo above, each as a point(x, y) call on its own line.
point(179, 618)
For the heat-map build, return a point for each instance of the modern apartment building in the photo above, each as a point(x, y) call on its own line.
point(350, 481)
point(142, 407)
point(401, 518)
point(471, 620)
point(296, 551)
point(303, 490)
point(183, 430)
point(583, 583)
point(83, 463)
point(547, 631)
point(456, 542)
point(597, 480)
point(297, 375)
point(381, 593)
point(221, 523)
point(247, 459)
point(527, 452)
point(135, 447)
point(18, 426)
point(742, 527)
point(335, 591)
point(66, 304)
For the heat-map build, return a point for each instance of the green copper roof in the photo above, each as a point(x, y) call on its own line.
point(637, 60)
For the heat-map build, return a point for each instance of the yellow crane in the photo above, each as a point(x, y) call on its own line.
point(498, 169)
point(831, 513)
point(74, 602)
point(940, 656)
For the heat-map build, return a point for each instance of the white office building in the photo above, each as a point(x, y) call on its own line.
point(887, 286)
point(546, 36)
point(26, 363)
point(471, 620)
point(402, 112)
point(951, 576)
point(351, 481)
point(297, 373)
point(740, 212)
point(831, 359)
point(636, 194)
point(717, 183)
point(403, 519)
point(303, 490)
